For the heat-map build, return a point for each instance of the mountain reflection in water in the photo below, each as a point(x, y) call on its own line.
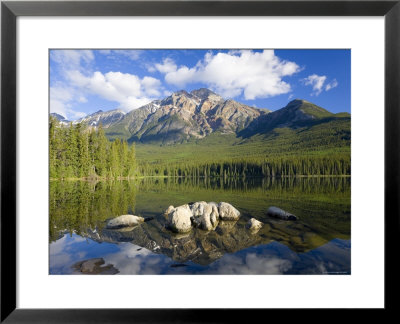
point(318, 243)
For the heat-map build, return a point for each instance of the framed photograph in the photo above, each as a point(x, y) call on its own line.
point(226, 148)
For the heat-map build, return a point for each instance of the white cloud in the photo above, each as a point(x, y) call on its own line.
point(317, 83)
point(127, 89)
point(82, 99)
point(77, 80)
point(331, 85)
point(61, 98)
point(181, 77)
point(167, 66)
point(255, 74)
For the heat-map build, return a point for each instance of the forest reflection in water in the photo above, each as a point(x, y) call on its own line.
point(318, 242)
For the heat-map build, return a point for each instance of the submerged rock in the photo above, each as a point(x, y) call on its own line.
point(254, 225)
point(124, 221)
point(179, 220)
point(280, 213)
point(228, 212)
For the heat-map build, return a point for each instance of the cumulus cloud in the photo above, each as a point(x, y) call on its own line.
point(331, 85)
point(76, 80)
point(61, 99)
point(168, 65)
point(253, 74)
point(317, 82)
point(128, 90)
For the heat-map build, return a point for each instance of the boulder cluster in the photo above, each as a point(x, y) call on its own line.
point(199, 214)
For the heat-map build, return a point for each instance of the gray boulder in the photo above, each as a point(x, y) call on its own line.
point(205, 216)
point(179, 220)
point(197, 208)
point(124, 221)
point(254, 225)
point(228, 212)
point(280, 213)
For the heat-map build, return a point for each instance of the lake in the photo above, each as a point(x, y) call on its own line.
point(318, 242)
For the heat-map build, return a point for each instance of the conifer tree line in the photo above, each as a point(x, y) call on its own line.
point(76, 152)
point(253, 167)
point(79, 152)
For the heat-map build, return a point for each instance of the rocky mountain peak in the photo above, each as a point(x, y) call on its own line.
point(204, 93)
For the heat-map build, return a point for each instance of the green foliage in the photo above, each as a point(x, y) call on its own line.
point(320, 149)
point(76, 152)
point(314, 110)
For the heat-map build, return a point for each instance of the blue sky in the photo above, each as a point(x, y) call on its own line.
point(85, 81)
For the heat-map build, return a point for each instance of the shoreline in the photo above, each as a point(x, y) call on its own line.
point(202, 177)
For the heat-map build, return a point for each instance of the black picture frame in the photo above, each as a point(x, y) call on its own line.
point(10, 10)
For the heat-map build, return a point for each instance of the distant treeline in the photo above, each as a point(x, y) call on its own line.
point(76, 152)
point(252, 167)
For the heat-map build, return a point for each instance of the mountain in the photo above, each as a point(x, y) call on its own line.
point(183, 116)
point(60, 118)
point(205, 118)
point(106, 118)
point(297, 113)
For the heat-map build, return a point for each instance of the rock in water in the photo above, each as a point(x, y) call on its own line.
point(124, 221)
point(254, 225)
point(169, 210)
point(197, 208)
point(280, 213)
point(228, 212)
point(205, 216)
point(179, 220)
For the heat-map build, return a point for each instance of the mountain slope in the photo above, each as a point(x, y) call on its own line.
point(60, 118)
point(106, 118)
point(183, 116)
point(297, 113)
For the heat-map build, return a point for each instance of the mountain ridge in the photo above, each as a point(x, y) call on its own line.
point(184, 116)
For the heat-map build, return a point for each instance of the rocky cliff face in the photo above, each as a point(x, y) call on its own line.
point(184, 115)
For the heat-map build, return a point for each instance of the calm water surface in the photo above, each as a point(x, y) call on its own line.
point(317, 243)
